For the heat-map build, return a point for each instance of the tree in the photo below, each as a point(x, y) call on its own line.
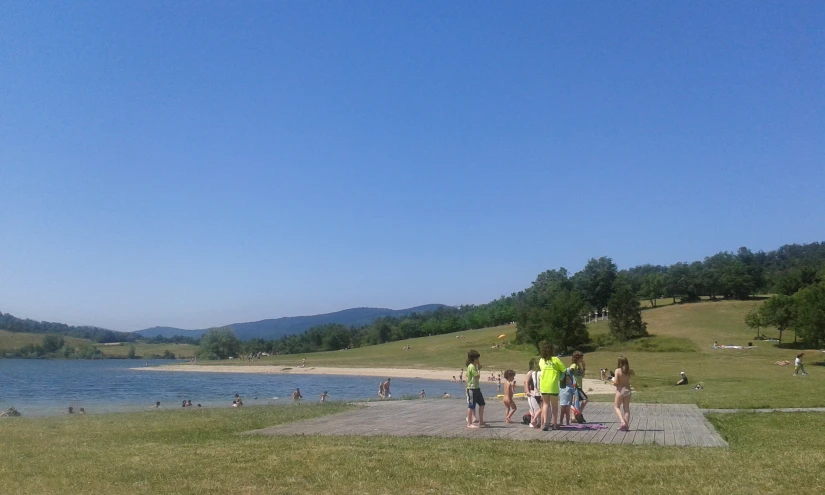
point(809, 317)
point(219, 343)
point(755, 320)
point(778, 312)
point(595, 281)
point(52, 343)
point(625, 315)
point(652, 287)
point(131, 353)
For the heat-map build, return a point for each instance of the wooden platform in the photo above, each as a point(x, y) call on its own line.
point(663, 424)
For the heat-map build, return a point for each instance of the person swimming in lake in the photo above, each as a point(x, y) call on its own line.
point(296, 395)
point(157, 405)
point(385, 390)
point(421, 394)
point(237, 401)
point(621, 404)
point(323, 396)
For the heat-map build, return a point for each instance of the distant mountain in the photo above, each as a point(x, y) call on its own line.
point(278, 327)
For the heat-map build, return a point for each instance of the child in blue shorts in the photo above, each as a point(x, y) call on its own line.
point(566, 398)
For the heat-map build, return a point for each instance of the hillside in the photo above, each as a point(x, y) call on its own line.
point(275, 328)
point(681, 340)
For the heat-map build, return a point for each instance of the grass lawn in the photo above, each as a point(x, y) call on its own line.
point(145, 350)
point(200, 451)
point(16, 340)
point(682, 336)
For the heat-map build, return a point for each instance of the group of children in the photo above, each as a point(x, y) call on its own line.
point(551, 391)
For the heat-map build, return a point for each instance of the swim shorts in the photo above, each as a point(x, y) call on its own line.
point(474, 397)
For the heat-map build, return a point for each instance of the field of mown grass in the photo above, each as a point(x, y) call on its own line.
point(201, 451)
point(16, 340)
point(681, 340)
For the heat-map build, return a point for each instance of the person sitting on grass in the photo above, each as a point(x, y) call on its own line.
point(683, 380)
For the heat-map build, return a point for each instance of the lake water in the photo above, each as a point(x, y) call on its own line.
point(49, 387)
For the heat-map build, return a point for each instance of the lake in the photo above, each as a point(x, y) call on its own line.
point(49, 387)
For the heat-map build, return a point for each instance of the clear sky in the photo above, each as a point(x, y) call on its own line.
point(202, 163)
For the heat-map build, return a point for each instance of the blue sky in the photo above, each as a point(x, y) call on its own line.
point(201, 163)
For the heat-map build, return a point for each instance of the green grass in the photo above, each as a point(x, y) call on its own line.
point(16, 340)
point(200, 451)
point(145, 350)
point(682, 336)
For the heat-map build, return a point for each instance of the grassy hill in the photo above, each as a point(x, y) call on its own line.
point(681, 340)
point(15, 340)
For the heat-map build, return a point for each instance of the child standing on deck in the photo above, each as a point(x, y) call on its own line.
point(474, 397)
point(621, 404)
point(566, 399)
point(509, 390)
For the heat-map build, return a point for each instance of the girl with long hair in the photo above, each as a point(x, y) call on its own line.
point(621, 403)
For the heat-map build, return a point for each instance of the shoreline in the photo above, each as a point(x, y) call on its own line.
point(591, 386)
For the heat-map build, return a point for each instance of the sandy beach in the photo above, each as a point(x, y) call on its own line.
point(590, 385)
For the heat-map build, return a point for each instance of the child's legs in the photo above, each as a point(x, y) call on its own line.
point(617, 407)
point(480, 415)
point(554, 403)
point(470, 414)
point(565, 414)
point(545, 409)
point(626, 407)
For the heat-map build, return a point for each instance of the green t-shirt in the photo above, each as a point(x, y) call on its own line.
point(578, 373)
point(472, 376)
point(550, 373)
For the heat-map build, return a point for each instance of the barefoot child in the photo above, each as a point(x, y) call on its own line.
point(509, 390)
point(566, 399)
point(623, 393)
point(474, 397)
point(798, 366)
point(324, 396)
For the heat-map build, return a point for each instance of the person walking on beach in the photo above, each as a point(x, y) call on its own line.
point(577, 370)
point(474, 397)
point(551, 369)
point(798, 366)
point(621, 404)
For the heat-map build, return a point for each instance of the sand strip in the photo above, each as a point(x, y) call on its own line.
point(591, 386)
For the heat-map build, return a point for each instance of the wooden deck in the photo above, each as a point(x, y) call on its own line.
point(662, 424)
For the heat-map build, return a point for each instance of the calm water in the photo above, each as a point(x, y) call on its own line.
point(38, 388)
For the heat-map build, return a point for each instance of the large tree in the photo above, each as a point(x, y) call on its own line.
point(625, 315)
point(809, 315)
point(778, 312)
point(595, 282)
point(551, 310)
point(219, 343)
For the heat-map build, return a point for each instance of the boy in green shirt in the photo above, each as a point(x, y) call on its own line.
point(474, 397)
